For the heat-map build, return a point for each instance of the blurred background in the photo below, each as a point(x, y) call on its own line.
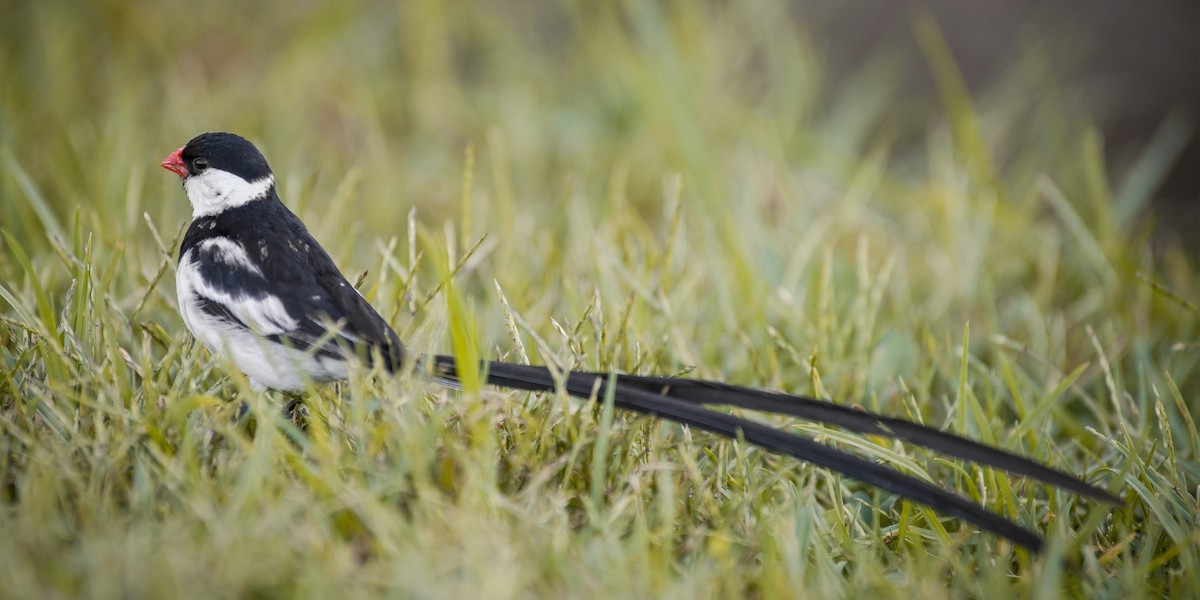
point(93, 92)
point(1136, 67)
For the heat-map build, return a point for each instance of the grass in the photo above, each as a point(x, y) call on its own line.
point(645, 189)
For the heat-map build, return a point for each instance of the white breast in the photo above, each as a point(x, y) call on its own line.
point(267, 363)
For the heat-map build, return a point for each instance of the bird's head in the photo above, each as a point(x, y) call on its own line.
point(220, 171)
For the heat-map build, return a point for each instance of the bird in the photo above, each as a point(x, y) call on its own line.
point(255, 287)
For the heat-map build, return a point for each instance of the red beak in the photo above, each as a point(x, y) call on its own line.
point(174, 163)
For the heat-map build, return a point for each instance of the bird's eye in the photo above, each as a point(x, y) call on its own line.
point(199, 165)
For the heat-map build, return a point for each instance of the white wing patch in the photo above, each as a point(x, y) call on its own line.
point(266, 362)
point(231, 253)
point(265, 315)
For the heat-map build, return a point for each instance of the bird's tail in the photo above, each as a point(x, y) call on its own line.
point(682, 400)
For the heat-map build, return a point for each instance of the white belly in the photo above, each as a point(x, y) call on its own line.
point(266, 363)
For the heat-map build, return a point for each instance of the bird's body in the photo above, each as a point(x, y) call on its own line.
point(229, 290)
point(256, 287)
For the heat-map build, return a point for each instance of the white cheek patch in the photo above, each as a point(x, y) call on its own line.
point(214, 191)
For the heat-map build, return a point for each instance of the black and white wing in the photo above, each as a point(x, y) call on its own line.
point(273, 300)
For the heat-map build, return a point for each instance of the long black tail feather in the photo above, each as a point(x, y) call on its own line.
point(680, 400)
point(824, 411)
